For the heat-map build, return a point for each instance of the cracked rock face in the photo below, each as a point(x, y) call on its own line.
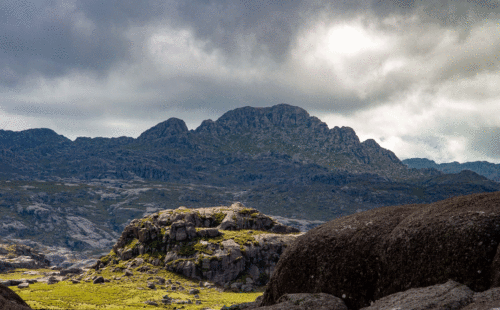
point(220, 244)
point(450, 295)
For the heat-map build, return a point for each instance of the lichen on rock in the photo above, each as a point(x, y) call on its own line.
point(220, 244)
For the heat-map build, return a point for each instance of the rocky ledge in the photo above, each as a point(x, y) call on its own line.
point(235, 247)
point(14, 256)
point(450, 295)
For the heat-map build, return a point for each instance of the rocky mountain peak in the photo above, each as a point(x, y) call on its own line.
point(30, 138)
point(171, 127)
point(281, 115)
point(370, 143)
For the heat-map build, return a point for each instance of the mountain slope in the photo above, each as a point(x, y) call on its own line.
point(81, 194)
point(484, 168)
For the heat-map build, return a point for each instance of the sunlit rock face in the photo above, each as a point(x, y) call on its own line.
point(220, 244)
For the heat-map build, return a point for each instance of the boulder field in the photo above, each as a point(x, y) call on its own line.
point(398, 257)
point(234, 246)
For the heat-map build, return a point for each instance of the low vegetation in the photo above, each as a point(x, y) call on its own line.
point(126, 293)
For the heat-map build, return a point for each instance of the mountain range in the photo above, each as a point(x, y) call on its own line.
point(280, 160)
point(484, 168)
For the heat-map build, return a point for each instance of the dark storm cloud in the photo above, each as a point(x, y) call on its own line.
point(272, 24)
point(53, 37)
point(387, 68)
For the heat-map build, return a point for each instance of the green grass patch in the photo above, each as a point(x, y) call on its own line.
point(17, 274)
point(127, 293)
point(219, 217)
point(246, 211)
point(132, 243)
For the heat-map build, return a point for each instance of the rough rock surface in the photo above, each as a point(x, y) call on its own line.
point(450, 295)
point(487, 300)
point(14, 256)
point(10, 300)
point(220, 244)
point(372, 254)
point(319, 301)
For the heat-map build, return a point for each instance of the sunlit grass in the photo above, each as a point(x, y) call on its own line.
point(19, 274)
point(127, 293)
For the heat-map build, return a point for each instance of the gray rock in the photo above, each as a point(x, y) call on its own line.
point(182, 230)
point(236, 287)
point(487, 300)
point(450, 295)
point(98, 280)
point(143, 268)
point(151, 285)
point(127, 254)
point(70, 271)
point(12, 282)
point(209, 233)
point(128, 273)
point(318, 301)
point(151, 303)
point(52, 280)
point(247, 288)
point(23, 285)
point(194, 291)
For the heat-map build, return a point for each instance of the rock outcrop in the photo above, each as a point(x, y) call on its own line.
point(21, 256)
point(219, 244)
point(373, 254)
point(10, 300)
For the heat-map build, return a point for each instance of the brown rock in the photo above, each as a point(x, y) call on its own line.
point(10, 300)
point(98, 280)
point(372, 254)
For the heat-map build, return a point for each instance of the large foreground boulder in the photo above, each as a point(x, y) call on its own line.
point(366, 256)
point(10, 300)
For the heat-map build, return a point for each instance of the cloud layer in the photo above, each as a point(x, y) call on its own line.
point(419, 77)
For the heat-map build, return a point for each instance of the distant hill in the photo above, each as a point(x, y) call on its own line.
point(484, 168)
point(280, 160)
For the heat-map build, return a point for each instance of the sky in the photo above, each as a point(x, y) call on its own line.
point(419, 77)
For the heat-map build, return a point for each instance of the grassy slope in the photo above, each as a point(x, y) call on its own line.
point(127, 293)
